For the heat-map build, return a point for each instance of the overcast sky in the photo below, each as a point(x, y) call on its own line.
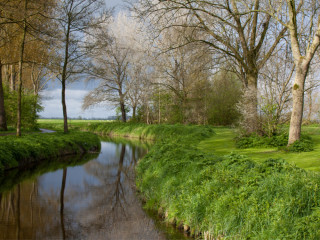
point(74, 95)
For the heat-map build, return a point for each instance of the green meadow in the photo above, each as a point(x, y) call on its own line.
point(223, 143)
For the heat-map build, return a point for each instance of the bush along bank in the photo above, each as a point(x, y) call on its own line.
point(305, 144)
point(145, 131)
point(228, 197)
point(16, 152)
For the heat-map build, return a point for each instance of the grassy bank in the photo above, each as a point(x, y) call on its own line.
point(133, 130)
point(15, 152)
point(218, 194)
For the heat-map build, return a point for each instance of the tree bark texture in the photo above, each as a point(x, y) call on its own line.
point(249, 109)
point(298, 103)
point(3, 119)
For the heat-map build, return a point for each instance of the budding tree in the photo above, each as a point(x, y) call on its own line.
point(117, 63)
point(75, 17)
point(236, 30)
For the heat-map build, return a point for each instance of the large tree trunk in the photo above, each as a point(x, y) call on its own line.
point(298, 101)
point(302, 66)
point(249, 105)
point(123, 112)
point(3, 120)
point(20, 71)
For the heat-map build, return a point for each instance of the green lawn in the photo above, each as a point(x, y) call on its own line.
point(222, 143)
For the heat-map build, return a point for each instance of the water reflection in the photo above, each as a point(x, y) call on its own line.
point(94, 201)
point(63, 186)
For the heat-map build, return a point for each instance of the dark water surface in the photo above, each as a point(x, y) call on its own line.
point(96, 200)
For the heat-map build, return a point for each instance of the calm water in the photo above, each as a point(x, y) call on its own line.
point(95, 200)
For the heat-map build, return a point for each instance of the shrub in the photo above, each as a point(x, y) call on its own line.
point(303, 145)
point(29, 109)
point(254, 140)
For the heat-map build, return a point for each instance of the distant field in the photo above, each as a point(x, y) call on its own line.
point(54, 121)
point(57, 124)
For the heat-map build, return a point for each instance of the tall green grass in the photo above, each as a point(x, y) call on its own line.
point(231, 196)
point(16, 152)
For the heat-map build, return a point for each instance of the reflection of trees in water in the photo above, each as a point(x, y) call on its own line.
point(63, 186)
point(10, 214)
point(103, 208)
point(24, 214)
point(114, 212)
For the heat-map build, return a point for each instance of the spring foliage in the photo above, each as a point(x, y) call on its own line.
point(30, 107)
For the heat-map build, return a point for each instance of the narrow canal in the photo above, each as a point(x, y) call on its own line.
point(59, 199)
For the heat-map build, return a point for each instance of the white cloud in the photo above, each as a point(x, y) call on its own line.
point(53, 108)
